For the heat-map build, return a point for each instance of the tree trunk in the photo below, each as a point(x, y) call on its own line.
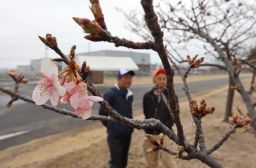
point(252, 83)
point(249, 104)
point(244, 94)
point(230, 99)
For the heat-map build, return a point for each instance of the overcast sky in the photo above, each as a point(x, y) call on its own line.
point(23, 20)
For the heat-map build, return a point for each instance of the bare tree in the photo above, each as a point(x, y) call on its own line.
point(224, 28)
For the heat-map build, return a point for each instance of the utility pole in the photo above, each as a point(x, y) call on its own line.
point(45, 51)
point(88, 47)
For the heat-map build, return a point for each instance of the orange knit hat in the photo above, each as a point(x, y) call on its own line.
point(158, 71)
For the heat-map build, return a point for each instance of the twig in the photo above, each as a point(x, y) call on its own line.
point(167, 150)
point(199, 135)
point(51, 42)
point(224, 138)
point(187, 72)
point(214, 65)
point(199, 138)
point(130, 44)
point(121, 41)
point(249, 64)
point(18, 78)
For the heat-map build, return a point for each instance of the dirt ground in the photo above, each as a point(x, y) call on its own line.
point(87, 148)
point(145, 79)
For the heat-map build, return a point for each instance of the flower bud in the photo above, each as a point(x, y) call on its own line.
point(96, 9)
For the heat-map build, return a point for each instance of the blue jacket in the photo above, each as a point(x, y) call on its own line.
point(121, 101)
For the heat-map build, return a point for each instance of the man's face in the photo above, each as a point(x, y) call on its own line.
point(160, 80)
point(124, 81)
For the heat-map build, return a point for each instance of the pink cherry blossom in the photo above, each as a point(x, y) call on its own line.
point(78, 98)
point(73, 88)
point(49, 86)
point(83, 104)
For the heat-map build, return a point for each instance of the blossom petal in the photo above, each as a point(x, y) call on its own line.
point(48, 67)
point(75, 100)
point(60, 89)
point(65, 98)
point(95, 98)
point(86, 114)
point(40, 97)
point(54, 98)
point(78, 111)
point(70, 87)
point(83, 88)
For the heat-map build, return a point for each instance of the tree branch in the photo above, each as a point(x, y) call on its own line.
point(154, 27)
point(130, 44)
point(214, 65)
point(224, 138)
point(199, 137)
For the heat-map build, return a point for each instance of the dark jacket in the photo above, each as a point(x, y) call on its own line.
point(121, 101)
point(154, 107)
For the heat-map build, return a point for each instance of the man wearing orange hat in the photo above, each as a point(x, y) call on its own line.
point(155, 105)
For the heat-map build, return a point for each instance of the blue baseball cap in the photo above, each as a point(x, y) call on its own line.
point(123, 72)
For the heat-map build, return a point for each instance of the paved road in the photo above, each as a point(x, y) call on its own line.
point(24, 122)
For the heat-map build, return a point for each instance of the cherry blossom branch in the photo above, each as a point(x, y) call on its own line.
point(221, 141)
point(130, 44)
point(123, 42)
point(18, 78)
point(119, 117)
point(154, 27)
point(98, 33)
point(54, 109)
point(150, 123)
point(98, 14)
point(26, 99)
point(249, 64)
point(199, 135)
point(107, 106)
point(51, 42)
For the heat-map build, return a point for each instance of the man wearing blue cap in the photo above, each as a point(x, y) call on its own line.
point(119, 135)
